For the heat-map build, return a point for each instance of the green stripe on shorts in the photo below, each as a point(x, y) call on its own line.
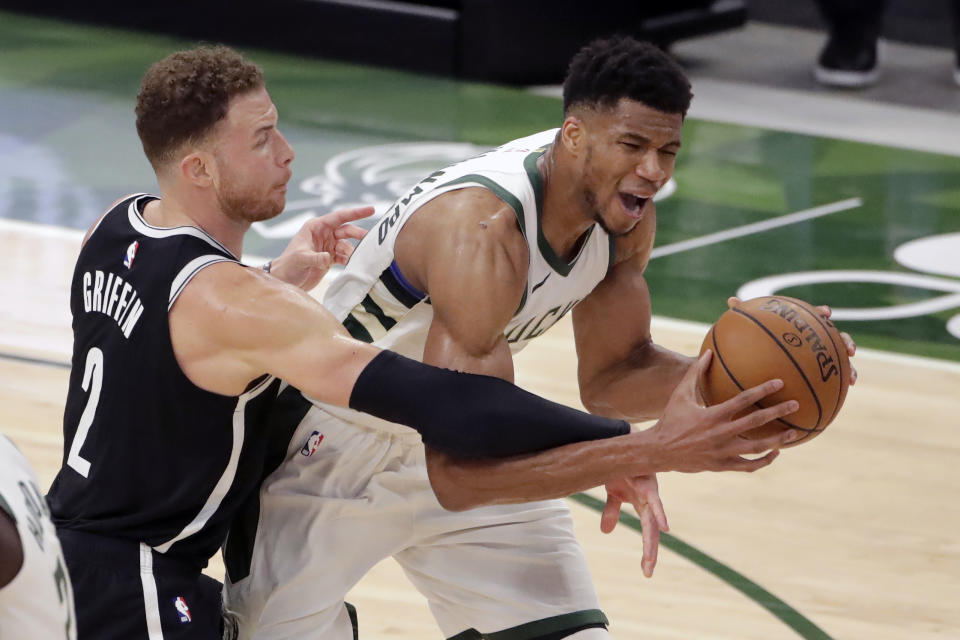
point(538, 628)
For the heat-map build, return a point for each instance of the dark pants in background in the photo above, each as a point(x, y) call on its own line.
point(858, 23)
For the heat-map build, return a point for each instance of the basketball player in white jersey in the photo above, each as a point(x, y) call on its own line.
point(475, 261)
point(36, 599)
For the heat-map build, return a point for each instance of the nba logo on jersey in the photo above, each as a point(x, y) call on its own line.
point(182, 609)
point(312, 443)
point(131, 254)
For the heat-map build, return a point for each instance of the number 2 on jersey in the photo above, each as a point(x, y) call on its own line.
point(92, 372)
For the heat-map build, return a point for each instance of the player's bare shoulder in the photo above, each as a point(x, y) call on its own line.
point(473, 220)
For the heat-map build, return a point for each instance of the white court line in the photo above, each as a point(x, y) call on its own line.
point(833, 115)
point(700, 329)
point(40, 230)
point(756, 227)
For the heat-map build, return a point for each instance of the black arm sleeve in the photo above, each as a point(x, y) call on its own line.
point(470, 415)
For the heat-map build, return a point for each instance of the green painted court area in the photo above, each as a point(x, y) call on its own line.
point(68, 149)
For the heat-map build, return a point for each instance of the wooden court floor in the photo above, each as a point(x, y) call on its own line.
point(855, 531)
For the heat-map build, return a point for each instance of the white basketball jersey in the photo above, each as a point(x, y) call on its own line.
point(38, 603)
point(375, 303)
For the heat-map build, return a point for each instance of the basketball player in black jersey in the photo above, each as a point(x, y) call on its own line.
point(176, 411)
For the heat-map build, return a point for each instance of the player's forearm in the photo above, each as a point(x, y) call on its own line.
point(465, 484)
point(636, 388)
point(468, 415)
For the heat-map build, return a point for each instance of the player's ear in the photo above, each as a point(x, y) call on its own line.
point(573, 134)
point(198, 168)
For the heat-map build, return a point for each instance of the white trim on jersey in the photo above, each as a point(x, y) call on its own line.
point(186, 274)
point(141, 226)
point(103, 215)
point(226, 479)
point(151, 603)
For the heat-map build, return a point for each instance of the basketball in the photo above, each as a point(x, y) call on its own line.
point(779, 337)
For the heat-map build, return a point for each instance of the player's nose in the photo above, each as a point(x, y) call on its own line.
point(287, 153)
point(649, 167)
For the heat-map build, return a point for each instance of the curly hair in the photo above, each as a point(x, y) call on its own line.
point(607, 70)
point(183, 96)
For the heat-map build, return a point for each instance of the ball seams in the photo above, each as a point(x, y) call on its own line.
point(826, 330)
point(796, 365)
point(733, 378)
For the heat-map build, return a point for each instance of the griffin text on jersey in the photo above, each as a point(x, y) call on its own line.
point(111, 295)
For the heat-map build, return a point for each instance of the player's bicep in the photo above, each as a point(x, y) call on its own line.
point(476, 280)
point(474, 299)
point(613, 322)
point(449, 349)
point(233, 324)
point(303, 344)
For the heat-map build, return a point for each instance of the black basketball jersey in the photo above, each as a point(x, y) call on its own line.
point(149, 456)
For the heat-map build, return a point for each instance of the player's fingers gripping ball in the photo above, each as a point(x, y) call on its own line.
point(779, 337)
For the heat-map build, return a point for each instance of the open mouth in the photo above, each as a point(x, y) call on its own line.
point(632, 204)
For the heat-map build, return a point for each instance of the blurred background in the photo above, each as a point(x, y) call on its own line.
point(375, 93)
point(820, 160)
point(527, 42)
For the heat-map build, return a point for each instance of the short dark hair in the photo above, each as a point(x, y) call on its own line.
point(607, 70)
point(183, 96)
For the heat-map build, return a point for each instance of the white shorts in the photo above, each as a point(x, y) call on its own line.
point(363, 495)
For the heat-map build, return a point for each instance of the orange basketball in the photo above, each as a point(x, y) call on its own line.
point(786, 338)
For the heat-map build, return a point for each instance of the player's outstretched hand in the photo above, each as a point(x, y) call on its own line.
point(733, 301)
point(643, 493)
point(695, 438)
point(321, 242)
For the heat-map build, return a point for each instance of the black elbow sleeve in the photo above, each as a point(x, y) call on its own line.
point(468, 415)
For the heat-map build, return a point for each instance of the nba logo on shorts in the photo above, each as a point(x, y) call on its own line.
point(312, 443)
point(182, 609)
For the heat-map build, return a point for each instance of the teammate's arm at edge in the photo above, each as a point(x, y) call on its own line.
point(11, 548)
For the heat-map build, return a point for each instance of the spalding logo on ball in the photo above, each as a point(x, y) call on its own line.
point(786, 338)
